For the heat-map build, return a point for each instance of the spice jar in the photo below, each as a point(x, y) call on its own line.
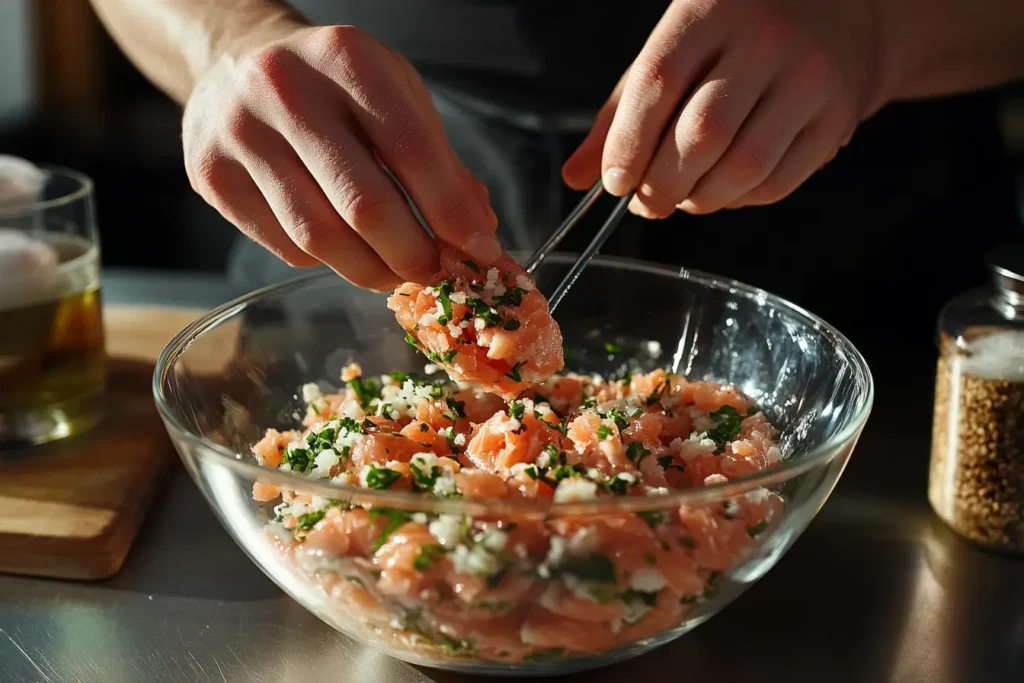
point(976, 479)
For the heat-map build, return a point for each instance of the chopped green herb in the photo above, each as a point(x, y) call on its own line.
point(398, 376)
point(318, 441)
point(649, 599)
point(381, 477)
point(458, 408)
point(593, 567)
point(497, 607)
point(511, 325)
point(448, 357)
point(589, 402)
point(619, 417)
point(444, 291)
point(494, 579)
point(511, 297)
point(426, 557)
point(541, 398)
point(423, 480)
point(424, 427)
point(651, 559)
point(727, 426)
point(612, 347)
point(604, 432)
point(471, 265)
point(567, 472)
point(666, 463)
point(658, 394)
point(514, 373)
point(451, 646)
point(546, 655)
point(531, 472)
point(758, 529)
point(350, 425)
point(484, 312)
point(753, 410)
point(393, 519)
point(688, 542)
point(654, 518)
point(688, 600)
point(516, 410)
point(309, 520)
point(365, 390)
point(298, 458)
point(617, 485)
point(552, 452)
point(636, 452)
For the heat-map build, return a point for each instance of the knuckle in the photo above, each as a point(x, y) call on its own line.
point(238, 124)
point(365, 210)
point(774, 28)
point(415, 146)
point(313, 234)
point(338, 40)
point(653, 76)
point(818, 69)
point(707, 130)
point(749, 163)
point(272, 73)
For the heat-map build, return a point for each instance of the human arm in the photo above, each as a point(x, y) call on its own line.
point(286, 126)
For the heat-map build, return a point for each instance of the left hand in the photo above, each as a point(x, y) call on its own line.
point(734, 103)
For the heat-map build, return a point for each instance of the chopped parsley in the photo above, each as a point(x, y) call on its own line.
point(531, 472)
point(392, 520)
point(567, 472)
point(511, 325)
point(753, 410)
point(451, 646)
point(612, 347)
point(649, 599)
point(593, 567)
point(471, 265)
point(650, 559)
point(398, 376)
point(424, 427)
point(619, 417)
point(727, 426)
point(444, 292)
point(636, 452)
point(426, 557)
point(658, 394)
point(457, 408)
point(514, 374)
point(667, 464)
point(552, 452)
point(381, 477)
point(511, 297)
point(309, 520)
point(299, 459)
point(484, 312)
point(423, 480)
point(365, 391)
point(516, 410)
point(604, 432)
point(757, 529)
point(618, 485)
point(497, 606)
point(654, 518)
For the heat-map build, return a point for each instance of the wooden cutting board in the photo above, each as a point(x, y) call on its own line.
point(72, 509)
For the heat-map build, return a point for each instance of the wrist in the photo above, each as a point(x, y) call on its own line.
point(931, 48)
point(234, 35)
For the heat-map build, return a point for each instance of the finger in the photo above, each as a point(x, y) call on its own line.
point(302, 209)
point(228, 188)
point(678, 50)
point(814, 147)
point(706, 126)
point(390, 115)
point(582, 169)
point(758, 146)
point(422, 95)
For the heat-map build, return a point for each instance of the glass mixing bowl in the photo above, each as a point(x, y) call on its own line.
point(239, 370)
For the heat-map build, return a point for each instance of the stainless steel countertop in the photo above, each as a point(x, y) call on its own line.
point(876, 590)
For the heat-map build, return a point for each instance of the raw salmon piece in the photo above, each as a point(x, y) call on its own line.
point(478, 484)
point(504, 441)
point(490, 327)
point(264, 493)
point(719, 542)
point(410, 561)
point(560, 600)
point(546, 629)
point(345, 532)
point(270, 449)
point(667, 613)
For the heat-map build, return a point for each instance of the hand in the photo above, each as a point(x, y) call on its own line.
point(284, 140)
point(733, 103)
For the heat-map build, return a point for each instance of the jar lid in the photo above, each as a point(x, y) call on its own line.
point(1007, 266)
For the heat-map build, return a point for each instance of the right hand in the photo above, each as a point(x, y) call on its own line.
point(284, 142)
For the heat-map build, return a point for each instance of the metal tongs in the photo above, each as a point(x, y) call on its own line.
point(588, 254)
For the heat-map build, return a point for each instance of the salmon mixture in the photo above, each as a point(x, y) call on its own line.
point(517, 586)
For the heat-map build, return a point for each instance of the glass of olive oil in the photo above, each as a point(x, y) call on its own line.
point(52, 358)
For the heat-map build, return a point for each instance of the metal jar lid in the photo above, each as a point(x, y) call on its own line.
point(1006, 264)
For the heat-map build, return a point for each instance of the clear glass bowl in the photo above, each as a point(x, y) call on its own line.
point(238, 370)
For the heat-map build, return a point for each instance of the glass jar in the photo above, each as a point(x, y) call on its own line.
point(976, 479)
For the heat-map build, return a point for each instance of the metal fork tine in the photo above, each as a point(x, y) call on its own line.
point(595, 244)
point(568, 224)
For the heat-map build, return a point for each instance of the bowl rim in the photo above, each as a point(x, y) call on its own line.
point(789, 469)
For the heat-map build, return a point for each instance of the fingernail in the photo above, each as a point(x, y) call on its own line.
point(483, 248)
point(616, 181)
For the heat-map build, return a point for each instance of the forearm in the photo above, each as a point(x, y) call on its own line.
point(940, 47)
point(173, 42)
